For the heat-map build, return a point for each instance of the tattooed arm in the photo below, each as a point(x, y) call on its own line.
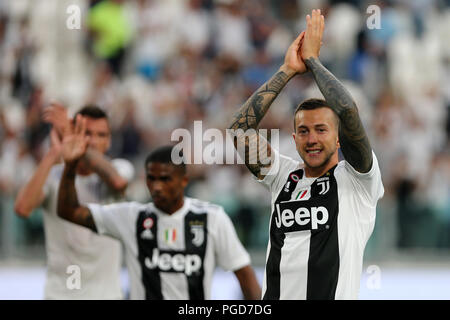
point(98, 162)
point(245, 122)
point(352, 137)
point(68, 206)
point(73, 148)
point(249, 117)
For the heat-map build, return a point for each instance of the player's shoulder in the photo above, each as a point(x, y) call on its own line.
point(127, 206)
point(215, 214)
point(198, 206)
point(344, 168)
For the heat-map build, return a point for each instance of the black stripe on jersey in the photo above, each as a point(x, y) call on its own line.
point(147, 241)
point(323, 263)
point(277, 241)
point(317, 215)
point(196, 236)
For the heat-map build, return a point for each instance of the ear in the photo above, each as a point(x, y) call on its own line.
point(293, 135)
point(337, 142)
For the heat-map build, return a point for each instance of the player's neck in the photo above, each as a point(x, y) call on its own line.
point(173, 207)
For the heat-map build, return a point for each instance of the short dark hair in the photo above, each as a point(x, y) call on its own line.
point(164, 155)
point(311, 104)
point(92, 111)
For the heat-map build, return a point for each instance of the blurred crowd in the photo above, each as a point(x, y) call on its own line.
point(158, 65)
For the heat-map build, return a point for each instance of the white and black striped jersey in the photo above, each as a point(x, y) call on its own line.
point(319, 228)
point(172, 256)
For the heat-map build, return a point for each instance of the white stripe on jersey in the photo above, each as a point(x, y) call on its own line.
point(297, 242)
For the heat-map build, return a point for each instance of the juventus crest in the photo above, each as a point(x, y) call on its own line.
point(325, 184)
point(199, 235)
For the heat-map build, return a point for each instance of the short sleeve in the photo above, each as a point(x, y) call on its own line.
point(116, 220)
point(369, 184)
point(280, 168)
point(231, 254)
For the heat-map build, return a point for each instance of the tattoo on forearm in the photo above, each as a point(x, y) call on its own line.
point(101, 166)
point(253, 111)
point(354, 142)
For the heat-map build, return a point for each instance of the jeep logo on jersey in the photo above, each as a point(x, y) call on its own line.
point(290, 217)
point(174, 262)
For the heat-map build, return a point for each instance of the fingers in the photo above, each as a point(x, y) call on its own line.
point(318, 22)
point(296, 43)
point(312, 40)
point(55, 114)
point(315, 23)
point(83, 126)
point(299, 40)
point(322, 27)
point(302, 35)
point(77, 128)
point(54, 138)
point(80, 125)
point(56, 107)
point(308, 24)
point(48, 115)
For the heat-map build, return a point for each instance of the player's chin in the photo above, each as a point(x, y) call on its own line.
point(315, 161)
point(159, 201)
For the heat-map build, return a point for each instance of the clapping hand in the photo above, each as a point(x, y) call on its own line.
point(75, 141)
point(315, 24)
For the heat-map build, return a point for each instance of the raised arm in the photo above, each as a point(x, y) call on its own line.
point(74, 147)
point(104, 168)
point(57, 115)
point(353, 139)
point(254, 109)
point(31, 195)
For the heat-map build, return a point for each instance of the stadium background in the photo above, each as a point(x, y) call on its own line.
point(158, 65)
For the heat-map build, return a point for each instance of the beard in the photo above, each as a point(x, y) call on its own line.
point(323, 163)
